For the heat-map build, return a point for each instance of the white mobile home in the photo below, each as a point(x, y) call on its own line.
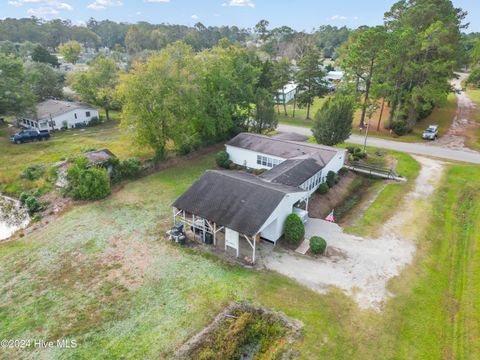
point(291, 163)
point(56, 114)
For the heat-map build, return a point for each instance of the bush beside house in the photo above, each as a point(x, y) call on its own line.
point(223, 160)
point(318, 245)
point(294, 229)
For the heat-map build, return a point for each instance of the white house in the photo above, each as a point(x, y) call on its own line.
point(291, 163)
point(288, 91)
point(250, 207)
point(57, 114)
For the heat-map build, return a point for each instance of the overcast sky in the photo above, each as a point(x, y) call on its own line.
point(298, 14)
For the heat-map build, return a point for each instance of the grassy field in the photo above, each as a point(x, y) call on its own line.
point(14, 158)
point(102, 275)
point(473, 141)
point(442, 116)
point(385, 204)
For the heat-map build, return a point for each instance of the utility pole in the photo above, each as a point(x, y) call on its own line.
point(371, 110)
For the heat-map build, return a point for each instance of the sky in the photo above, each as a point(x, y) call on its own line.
point(298, 14)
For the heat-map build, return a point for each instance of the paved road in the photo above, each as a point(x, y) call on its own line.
point(412, 148)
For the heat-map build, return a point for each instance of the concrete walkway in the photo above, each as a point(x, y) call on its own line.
point(468, 156)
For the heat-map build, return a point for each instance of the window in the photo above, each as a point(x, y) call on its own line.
point(269, 162)
point(259, 159)
point(264, 160)
point(87, 114)
point(75, 115)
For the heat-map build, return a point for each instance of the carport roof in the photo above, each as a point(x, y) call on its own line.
point(237, 200)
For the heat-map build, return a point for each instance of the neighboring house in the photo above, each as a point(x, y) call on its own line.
point(289, 162)
point(58, 114)
point(252, 207)
point(289, 91)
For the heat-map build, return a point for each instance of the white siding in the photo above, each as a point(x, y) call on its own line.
point(73, 117)
point(248, 158)
point(274, 226)
point(335, 164)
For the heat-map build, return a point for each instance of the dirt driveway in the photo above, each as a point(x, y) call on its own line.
point(463, 124)
point(361, 266)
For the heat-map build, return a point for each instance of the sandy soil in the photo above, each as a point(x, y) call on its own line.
point(360, 266)
point(463, 124)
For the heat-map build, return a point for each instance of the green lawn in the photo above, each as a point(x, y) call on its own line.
point(385, 204)
point(102, 274)
point(473, 141)
point(14, 158)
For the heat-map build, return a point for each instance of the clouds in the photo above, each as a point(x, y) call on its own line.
point(343, 18)
point(42, 8)
point(156, 1)
point(194, 17)
point(240, 3)
point(104, 4)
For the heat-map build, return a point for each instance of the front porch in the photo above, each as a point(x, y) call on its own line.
point(218, 237)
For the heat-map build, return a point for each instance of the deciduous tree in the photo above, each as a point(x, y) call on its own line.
point(71, 51)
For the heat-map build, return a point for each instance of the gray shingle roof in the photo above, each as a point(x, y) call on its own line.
point(293, 172)
point(286, 149)
point(57, 107)
point(237, 200)
point(99, 156)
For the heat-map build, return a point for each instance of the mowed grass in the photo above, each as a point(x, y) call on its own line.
point(473, 140)
point(442, 116)
point(102, 274)
point(63, 144)
point(386, 203)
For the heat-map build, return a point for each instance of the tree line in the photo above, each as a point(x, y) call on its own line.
point(408, 62)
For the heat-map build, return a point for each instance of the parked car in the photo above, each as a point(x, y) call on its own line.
point(431, 133)
point(29, 135)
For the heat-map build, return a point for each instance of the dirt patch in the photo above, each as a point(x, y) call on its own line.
point(127, 261)
point(362, 267)
point(464, 124)
point(243, 331)
point(320, 205)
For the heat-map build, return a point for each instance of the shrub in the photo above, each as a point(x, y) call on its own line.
point(94, 121)
point(294, 229)
point(318, 245)
point(222, 159)
point(128, 169)
point(350, 149)
point(33, 172)
point(32, 204)
point(331, 179)
point(23, 197)
point(343, 171)
point(399, 127)
point(323, 188)
point(87, 183)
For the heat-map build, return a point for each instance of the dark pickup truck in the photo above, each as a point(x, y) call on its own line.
point(29, 135)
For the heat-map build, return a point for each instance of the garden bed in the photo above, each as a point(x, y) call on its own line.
point(243, 331)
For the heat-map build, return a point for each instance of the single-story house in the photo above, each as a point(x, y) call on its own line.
point(292, 163)
point(57, 114)
point(243, 205)
point(253, 207)
point(288, 91)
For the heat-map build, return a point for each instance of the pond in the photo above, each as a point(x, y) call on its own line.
point(12, 217)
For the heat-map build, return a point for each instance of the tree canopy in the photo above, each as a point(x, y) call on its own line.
point(333, 121)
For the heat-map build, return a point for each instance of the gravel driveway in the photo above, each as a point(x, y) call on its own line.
point(360, 266)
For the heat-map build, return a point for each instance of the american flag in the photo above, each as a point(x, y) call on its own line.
point(330, 217)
